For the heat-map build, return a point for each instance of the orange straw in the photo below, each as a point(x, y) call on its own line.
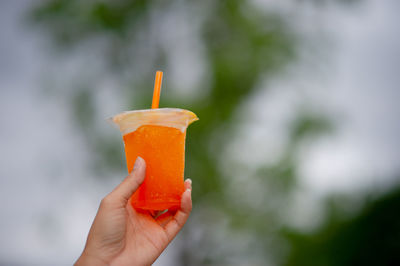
point(157, 90)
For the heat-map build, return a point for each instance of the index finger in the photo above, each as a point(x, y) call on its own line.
point(173, 227)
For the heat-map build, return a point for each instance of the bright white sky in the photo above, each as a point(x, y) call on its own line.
point(364, 65)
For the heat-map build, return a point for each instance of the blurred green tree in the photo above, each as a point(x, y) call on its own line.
point(369, 237)
point(242, 45)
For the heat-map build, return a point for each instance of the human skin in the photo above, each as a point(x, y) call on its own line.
point(121, 235)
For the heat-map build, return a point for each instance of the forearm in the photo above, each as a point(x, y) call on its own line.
point(88, 260)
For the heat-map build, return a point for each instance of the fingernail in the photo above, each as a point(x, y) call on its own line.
point(189, 180)
point(138, 163)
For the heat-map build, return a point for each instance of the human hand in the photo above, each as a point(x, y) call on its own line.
point(121, 235)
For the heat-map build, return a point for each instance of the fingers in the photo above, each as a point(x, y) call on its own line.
point(164, 219)
point(165, 216)
point(188, 184)
point(179, 219)
point(130, 184)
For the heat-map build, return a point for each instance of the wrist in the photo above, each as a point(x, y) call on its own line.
point(88, 260)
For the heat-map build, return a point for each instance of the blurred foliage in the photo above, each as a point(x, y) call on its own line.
point(242, 46)
point(371, 237)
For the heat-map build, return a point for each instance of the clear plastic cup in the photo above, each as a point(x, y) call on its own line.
point(158, 136)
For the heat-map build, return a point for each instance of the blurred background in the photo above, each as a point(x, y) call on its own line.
point(295, 159)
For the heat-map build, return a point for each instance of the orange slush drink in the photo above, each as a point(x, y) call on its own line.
point(158, 136)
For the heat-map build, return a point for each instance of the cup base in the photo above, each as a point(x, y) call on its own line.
point(157, 206)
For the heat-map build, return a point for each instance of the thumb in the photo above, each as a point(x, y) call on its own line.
point(130, 184)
